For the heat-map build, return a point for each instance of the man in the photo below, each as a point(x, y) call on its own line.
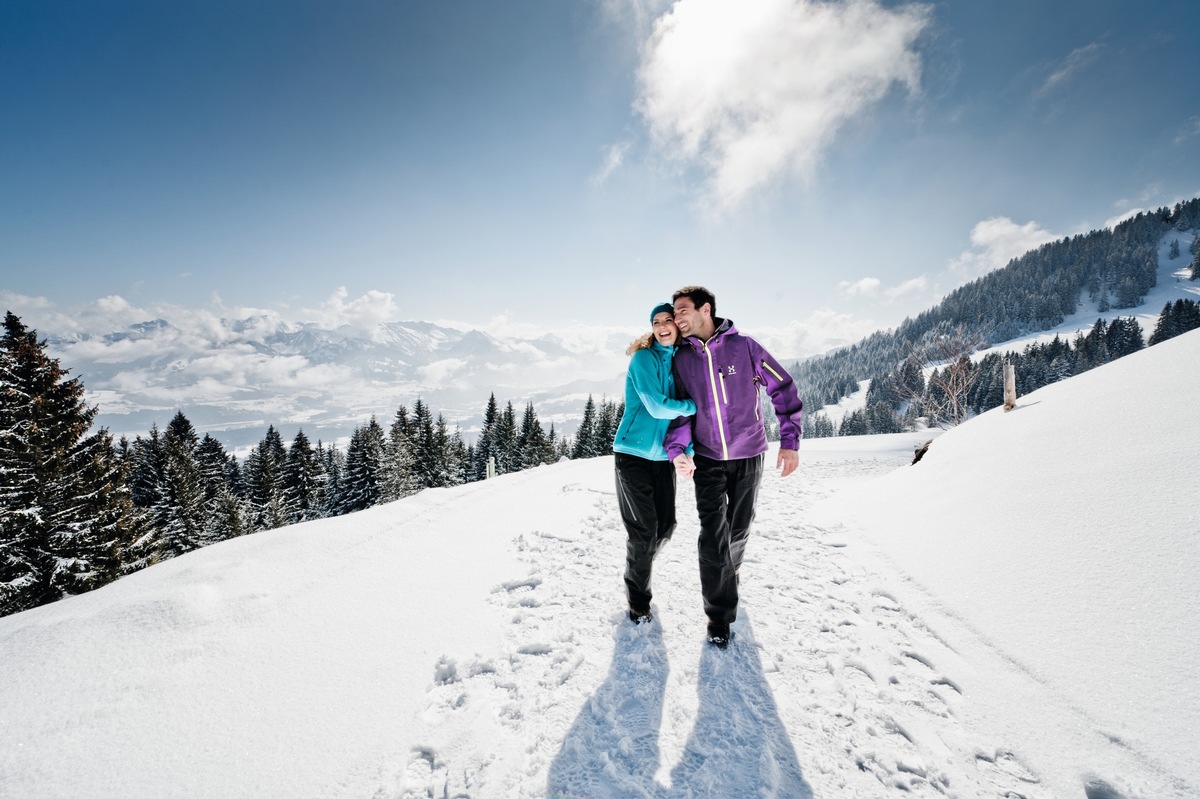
point(722, 371)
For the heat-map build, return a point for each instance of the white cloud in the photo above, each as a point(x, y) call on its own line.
point(438, 373)
point(614, 156)
point(1112, 222)
point(868, 285)
point(907, 287)
point(1078, 60)
point(1190, 128)
point(821, 332)
point(756, 90)
point(363, 314)
point(995, 242)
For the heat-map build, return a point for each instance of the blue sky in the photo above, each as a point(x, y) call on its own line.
point(827, 169)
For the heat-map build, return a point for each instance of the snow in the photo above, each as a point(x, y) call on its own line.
point(846, 405)
point(1014, 615)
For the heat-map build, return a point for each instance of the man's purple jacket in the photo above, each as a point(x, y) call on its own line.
point(723, 377)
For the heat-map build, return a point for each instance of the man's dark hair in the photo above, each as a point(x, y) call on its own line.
point(698, 295)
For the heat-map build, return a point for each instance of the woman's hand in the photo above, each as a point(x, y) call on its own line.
point(684, 465)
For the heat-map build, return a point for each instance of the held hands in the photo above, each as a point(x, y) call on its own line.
point(684, 465)
point(789, 459)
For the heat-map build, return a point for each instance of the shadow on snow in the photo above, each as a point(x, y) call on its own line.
point(738, 746)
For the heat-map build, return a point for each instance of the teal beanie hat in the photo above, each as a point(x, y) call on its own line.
point(662, 306)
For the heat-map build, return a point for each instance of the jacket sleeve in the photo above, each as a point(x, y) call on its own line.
point(678, 439)
point(645, 380)
point(789, 409)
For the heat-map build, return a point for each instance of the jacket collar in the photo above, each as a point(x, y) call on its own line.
point(724, 326)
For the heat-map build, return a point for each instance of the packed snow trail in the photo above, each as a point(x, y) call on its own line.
point(830, 687)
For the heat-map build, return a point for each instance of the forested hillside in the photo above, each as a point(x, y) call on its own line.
point(1113, 268)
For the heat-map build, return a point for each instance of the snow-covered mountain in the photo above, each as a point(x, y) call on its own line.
point(1015, 615)
point(233, 377)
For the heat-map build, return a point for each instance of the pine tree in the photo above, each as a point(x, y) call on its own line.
point(333, 463)
point(263, 479)
point(359, 487)
point(398, 479)
point(179, 514)
point(213, 462)
point(425, 459)
point(1173, 252)
point(458, 459)
point(608, 418)
point(585, 438)
point(507, 442)
point(532, 440)
point(485, 445)
point(65, 513)
point(303, 481)
point(441, 468)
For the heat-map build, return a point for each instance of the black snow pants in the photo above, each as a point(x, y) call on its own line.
point(646, 494)
point(726, 492)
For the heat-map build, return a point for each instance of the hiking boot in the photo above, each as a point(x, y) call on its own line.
point(719, 634)
point(640, 615)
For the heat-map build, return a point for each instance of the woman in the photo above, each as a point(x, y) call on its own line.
point(645, 478)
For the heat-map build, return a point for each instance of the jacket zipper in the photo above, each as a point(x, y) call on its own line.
point(712, 382)
point(724, 396)
point(767, 366)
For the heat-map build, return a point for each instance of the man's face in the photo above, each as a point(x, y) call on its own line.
point(690, 321)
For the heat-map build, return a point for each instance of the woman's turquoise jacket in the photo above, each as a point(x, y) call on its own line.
point(650, 403)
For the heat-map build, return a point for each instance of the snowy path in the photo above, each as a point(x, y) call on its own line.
point(870, 692)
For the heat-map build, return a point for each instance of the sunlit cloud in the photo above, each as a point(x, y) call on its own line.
point(995, 242)
point(756, 91)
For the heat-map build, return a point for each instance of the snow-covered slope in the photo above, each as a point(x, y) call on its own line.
point(471, 641)
point(1065, 533)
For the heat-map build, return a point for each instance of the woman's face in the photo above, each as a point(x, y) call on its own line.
point(664, 328)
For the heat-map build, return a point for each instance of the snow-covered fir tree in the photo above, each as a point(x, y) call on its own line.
point(303, 481)
point(359, 486)
point(398, 479)
point(262, 479)
point(65, 509)
point(585, 437)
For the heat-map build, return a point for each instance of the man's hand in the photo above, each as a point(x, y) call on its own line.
point(684, 465)
point(789, 459)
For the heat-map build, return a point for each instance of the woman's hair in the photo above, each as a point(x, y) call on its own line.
point(642, 342)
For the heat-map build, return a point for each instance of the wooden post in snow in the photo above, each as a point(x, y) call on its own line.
point(1010, 387)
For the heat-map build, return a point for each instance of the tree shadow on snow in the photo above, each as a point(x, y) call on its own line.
point(612, 748)
point(737, 747)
